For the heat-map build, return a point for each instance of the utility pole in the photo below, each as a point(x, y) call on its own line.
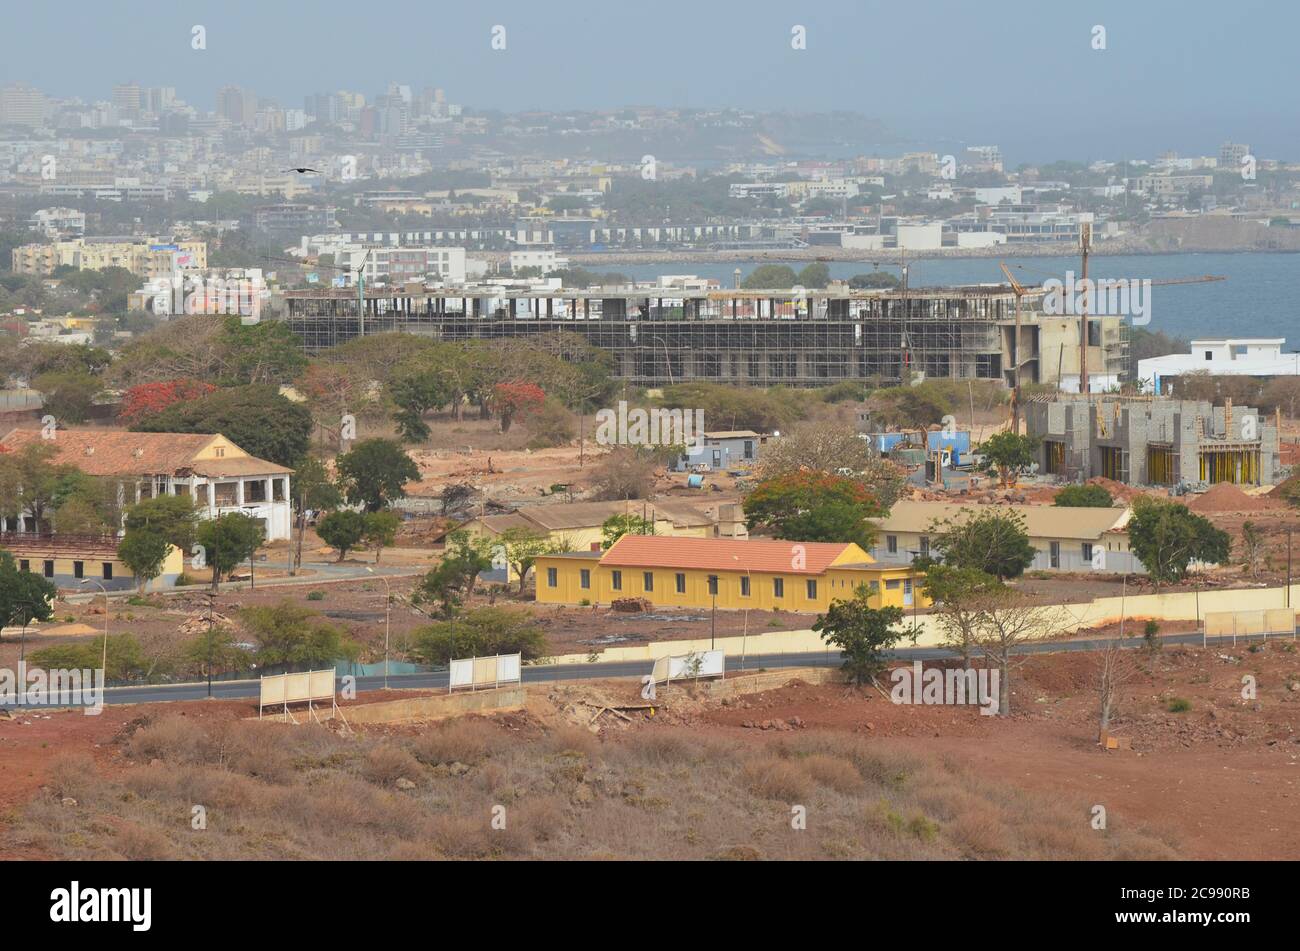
point(1085, 238)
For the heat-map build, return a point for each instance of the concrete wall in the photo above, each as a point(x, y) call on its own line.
point(437, 707)
point(1180, 606)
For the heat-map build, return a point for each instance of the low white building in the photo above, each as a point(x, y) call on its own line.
point(1221, 356)
point(400, 265)
point(208, 468)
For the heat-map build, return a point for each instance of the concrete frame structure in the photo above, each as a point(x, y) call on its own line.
point(1153, 441)
point(659, 336)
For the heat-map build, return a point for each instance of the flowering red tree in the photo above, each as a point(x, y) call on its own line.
point(147, 399)
point(516, 398)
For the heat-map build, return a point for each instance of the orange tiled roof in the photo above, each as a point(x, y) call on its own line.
point(116, 453)
point(720, 554)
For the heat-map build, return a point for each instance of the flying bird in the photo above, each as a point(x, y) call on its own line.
point(303, 171)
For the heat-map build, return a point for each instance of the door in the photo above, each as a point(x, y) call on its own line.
point(907, 592)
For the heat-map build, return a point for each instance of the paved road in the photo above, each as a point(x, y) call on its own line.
point(236, 689)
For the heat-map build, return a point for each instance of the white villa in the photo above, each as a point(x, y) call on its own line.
point(210, 469)
point(1221, 356)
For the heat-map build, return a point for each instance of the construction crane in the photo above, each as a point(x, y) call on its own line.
point(1019, 290)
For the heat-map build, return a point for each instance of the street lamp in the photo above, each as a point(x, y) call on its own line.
point(103, 665)
point(388, 612)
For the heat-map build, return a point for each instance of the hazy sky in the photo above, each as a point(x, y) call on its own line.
point(1180, 74)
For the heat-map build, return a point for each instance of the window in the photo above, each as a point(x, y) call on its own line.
point(1209, 354)
point(811, 586)
point(1054, 550)
point(891, 584)
point(106, 572)
point(648, 581)
point(1087, 553)
point(778, 587)
point(744, 586)
point(713, 585)
point(584, 579)
point(925, 546)
point(681, 583)
point(49, 569)
point(25, 565)
point(616, 580)
point(891, 544)
point(78, 569)
point(552, 578)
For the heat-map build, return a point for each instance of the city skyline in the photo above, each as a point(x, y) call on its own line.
point(1146, 92)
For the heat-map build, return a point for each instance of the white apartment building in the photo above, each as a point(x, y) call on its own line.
point(1226, 356)
point(400, 265)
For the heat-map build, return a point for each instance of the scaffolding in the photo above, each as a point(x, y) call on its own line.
point(664, 336)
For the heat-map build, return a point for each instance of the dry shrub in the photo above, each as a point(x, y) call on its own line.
point(774, 778)
point(172, 739)
point(660, 748)
point(980, 834)
point(74, 775)
point(826, 770)
point(541, 817)
point(386, 764)
point(141, 844)
point(459, 741)
point(571, 739)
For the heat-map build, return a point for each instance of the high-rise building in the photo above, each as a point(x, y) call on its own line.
point(126, 100)
point(237, 106)
point(21, 104)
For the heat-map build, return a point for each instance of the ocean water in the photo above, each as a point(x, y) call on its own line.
point(1260, 298)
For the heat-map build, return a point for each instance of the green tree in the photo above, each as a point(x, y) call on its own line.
point(257, 419)
point(266, 352)
point(993, 542)
point(1009, 452)
point(312, 488)
point(415, 392)
point(616, 526)
point(289, 635)
point(228, 542)
point(811, 506)
point(342, 530)
point(959, 596)
point(1084, 497)
point(172, 517)
point(1167, 537)
point(381, 530)
point(452, 580)
point(68, 396)
point(770, 277)
point(862, 633)
point(482, 632)
point(521, 548)
point(374, 473)
point(144, 551)
point(126, 659)
point(24, 596)
point(214, 651)
point(815, 275)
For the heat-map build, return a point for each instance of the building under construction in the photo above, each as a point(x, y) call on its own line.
point(1153, 440)
point(663, 336)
